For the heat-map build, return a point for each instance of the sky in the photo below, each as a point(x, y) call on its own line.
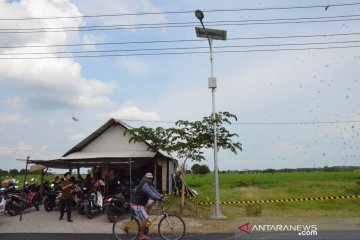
point(94, 60)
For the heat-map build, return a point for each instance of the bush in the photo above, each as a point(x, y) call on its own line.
point(355, 190)
point(240, 183)
point(253, 210)
point(200, 169)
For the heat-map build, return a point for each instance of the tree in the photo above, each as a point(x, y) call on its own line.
point(13, 172)
point(188, 139)
point(200, 169)
point(195, 168)
point(3, 172)
point(204, 169)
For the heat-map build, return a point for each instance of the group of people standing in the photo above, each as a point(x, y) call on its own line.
point(69, 189)
point(144, 197)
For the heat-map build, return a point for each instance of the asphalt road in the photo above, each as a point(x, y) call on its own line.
point(324, 235)
point(42, 225)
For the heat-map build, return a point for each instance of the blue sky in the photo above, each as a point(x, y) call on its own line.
point(273, 93)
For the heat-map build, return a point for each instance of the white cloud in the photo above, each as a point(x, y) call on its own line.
point(126, 6)
point(15, 118)
point(20, 149)
point(49, 83)
point(56, 83)
point(37, 8)
point(21, 146)
point(289, 86)
point(130, 112)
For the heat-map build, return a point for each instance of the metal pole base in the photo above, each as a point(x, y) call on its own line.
point(217, 215)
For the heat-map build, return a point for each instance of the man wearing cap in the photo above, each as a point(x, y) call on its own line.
point(140, 199)
point(67, 187)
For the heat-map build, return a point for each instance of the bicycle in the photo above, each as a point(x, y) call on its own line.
point(170, 227)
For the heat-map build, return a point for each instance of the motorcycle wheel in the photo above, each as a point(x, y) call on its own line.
point(37, 201)
point(49, 206)
point(36, 205)
point(114, 213)
point(82, 210)
point(89, 212)
point(13, 210)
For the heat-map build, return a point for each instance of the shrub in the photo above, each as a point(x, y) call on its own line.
point(240, 183)
point(253, 210)
point(355, 190)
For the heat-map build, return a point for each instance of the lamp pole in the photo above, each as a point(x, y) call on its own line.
point(212, 34)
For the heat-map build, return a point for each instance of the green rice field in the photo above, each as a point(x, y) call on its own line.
point(276, 186)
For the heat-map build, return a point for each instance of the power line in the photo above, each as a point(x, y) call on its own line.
point(180, 53)
point(236, 123)
point(125, 26)
point(287, 49)
point(182, 12)
point(106, 43)
point(258, 123)
point(178, 48)
point(179, 40)
point(292, 36)
point(176, 25)
point(297, 123)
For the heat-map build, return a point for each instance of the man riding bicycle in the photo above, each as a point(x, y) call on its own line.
point(144, 196)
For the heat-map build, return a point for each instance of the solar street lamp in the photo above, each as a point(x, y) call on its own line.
point(212, 34)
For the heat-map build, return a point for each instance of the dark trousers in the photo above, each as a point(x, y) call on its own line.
point(68, 205)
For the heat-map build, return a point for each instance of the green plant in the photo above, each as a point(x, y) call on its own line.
point(355, 190)
point(240, 183)
point(253, 210)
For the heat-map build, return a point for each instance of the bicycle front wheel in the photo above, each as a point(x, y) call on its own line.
point(171, 227)
point(126, 227)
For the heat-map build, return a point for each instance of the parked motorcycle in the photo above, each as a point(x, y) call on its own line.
point(95, 200)
point(30, 197)
point(81, 198)
point(6, 195)
point(118, 204)
point(52, 195)
point(2, 202)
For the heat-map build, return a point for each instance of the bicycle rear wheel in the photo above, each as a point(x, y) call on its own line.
point(171, 227)
point(126, 227)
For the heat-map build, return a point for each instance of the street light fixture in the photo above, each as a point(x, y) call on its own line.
point(212, 34)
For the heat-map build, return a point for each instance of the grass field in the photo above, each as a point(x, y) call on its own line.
point(239, 187)
point(276, 186)
point(326, 214)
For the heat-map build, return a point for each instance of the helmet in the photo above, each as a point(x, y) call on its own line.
point(149, 175)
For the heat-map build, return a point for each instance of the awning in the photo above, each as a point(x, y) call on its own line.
point(87, 163)
point(112, 154)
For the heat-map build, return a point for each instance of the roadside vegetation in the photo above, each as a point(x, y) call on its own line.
point(341, 214)
point(272, 186)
